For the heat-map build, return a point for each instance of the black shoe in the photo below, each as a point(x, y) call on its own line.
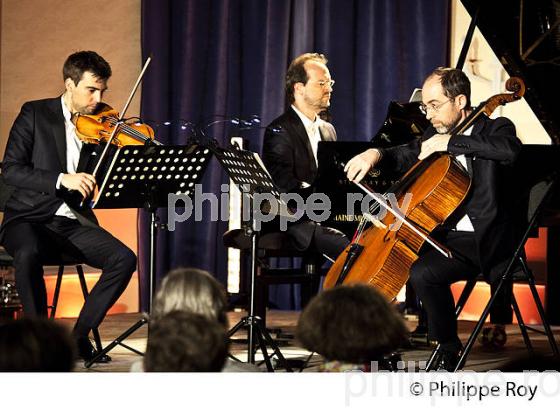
point(391, 362)
point(418, 338)
point(447, 360)
point(86, 351)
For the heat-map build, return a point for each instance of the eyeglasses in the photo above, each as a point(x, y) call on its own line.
point(324, 83)
point(432, 107)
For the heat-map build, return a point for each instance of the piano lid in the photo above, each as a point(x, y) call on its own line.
point(525, 35)
point(403, 123)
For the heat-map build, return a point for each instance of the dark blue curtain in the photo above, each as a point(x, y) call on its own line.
point(217, 59)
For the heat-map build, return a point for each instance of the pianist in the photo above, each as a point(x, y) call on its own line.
point(290, 146)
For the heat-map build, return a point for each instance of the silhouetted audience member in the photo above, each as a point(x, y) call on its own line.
point(35, 345)
point(351, 327)
point(191, 290)
point(185, 342)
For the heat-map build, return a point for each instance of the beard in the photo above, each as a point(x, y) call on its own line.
point(88, 109)
point(443, 129)
point(84, 108)
point(319, 104)
point(446, 127)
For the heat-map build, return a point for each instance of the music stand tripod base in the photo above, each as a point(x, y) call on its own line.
point(248, 172)
point(143, 177)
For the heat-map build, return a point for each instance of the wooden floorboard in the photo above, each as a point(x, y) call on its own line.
point(479, 359)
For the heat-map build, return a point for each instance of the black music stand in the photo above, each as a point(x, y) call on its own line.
point(248, 172)
point(143, 177)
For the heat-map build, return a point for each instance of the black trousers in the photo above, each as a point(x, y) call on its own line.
point(310, 236)
point(33, 245)
point(431, 276)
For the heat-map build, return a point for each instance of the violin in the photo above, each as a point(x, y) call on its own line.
point(96, 128)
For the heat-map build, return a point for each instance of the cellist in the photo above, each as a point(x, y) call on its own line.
point(41, 162)
point(480, 233)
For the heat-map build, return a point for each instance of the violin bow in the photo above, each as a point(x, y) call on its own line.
point(120, 120)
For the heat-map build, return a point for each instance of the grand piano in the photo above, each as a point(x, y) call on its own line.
point(525, 36)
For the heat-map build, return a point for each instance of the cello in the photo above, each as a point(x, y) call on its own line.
point(382, 254)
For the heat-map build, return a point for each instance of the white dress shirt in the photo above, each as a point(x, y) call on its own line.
point(312, 129)
point(73, 148)
point(464, 223)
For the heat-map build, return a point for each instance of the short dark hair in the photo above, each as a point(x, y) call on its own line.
point(185, 342)
point(35, 345)
point(454, 82)
point(78, 63)
point(296, 73)
point(351, 323)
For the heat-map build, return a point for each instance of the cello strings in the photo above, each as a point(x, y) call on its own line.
point(365, 220)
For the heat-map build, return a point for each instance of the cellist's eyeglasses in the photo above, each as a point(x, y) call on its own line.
point(432, 107)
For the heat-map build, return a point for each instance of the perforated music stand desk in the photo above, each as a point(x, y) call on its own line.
point(143, 177)
point(248, 172)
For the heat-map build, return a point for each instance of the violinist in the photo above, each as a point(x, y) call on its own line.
point(480, 233)
point(41, 163)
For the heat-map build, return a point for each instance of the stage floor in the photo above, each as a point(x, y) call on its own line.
point(479, 359)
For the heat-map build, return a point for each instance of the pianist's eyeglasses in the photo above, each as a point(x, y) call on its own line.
point(324, 83)
point(432, 107)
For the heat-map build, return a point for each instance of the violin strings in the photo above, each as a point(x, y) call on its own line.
point(131, 131)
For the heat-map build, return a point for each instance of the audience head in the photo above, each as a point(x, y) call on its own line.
point(180, 341)
point(352, 324)
point(191, 290)
point(35, 345)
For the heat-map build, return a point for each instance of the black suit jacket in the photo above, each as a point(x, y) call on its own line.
point(35, 155)
point(288, 156)
point(491, 149)
point(287, 151)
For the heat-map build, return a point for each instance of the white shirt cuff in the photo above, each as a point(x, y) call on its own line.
point(59, 180)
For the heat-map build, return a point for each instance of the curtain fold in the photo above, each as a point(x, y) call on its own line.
point(218, 59)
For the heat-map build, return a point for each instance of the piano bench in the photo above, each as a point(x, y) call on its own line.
point(277, 245)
